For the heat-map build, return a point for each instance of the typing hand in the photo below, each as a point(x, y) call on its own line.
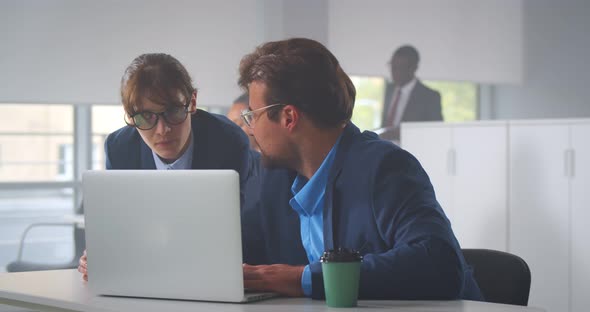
point(280, 278)
point(82, 266)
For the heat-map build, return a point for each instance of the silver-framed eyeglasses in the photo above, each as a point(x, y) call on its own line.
point(248, 115)
point(146, 120)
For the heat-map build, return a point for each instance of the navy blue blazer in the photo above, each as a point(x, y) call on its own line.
point(218, 144)
point(423, 104)
point(379, 201)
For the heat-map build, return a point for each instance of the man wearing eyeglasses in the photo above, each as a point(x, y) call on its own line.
point(165, 129)
point(334, 186)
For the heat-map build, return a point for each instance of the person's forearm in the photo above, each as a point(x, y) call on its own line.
point(427, 269)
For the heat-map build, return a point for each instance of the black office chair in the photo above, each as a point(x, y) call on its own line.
point(501, 276)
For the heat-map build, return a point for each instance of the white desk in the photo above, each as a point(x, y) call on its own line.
point(64, 290)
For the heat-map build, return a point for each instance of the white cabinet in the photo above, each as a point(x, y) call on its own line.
point(433, 156)
point(580, 191)
point(467, 166)
point(479, 185)
point(520, 186)
point(539, 209)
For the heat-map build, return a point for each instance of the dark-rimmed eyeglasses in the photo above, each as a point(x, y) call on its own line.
point(248, 115)
point(146, 120)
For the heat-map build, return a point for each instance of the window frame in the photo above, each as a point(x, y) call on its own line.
point(482, 96)
point(82, 156)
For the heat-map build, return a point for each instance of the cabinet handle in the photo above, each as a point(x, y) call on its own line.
point(568, 163)
point(451, 163)
point(572, 162)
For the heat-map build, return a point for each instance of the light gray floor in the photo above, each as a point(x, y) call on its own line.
point(7, 308)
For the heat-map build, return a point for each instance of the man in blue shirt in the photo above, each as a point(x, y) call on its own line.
point(308, 202)
point(329, 185)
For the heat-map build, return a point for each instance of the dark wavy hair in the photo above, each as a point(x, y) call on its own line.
point(155, 76)
point(303, 73)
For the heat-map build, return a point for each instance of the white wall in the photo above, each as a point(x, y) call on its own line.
point(300, 18)
point(66, 51)
point(462, 40)
point(306, 18)
point(556, 63)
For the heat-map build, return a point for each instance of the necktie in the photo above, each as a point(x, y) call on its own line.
point(393, 108)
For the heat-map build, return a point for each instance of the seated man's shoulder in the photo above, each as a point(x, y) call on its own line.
point(214, 121)
point(122, 148)
point(123, 137)
point(370, 149)
point(370, 145)
point(218, 127)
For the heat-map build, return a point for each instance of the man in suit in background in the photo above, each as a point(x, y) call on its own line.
point(240, 104)
point(407, 98)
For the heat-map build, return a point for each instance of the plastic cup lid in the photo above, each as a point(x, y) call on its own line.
point(341, 255)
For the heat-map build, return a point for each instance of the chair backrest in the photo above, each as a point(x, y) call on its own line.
point(501, 276)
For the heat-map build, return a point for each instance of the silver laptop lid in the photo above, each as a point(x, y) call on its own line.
point(164, 234)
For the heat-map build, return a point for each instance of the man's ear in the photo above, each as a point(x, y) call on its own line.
point(192, 108)
point(290, 117)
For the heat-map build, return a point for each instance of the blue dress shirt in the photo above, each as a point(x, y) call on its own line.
point(308, 202)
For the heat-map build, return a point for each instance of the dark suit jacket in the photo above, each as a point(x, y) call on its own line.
point(423, 104)
point(379, 201)
point(218, 144)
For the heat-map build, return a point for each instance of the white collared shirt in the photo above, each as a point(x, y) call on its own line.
point(184, 162)
point(403, 101)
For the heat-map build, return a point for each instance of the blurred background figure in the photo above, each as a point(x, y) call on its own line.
point(407, 98)
point(241, 103)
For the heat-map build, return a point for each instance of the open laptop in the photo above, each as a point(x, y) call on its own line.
point(165, 234)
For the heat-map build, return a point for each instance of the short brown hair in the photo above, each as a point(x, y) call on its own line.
point(156, 76)
point(304, 73)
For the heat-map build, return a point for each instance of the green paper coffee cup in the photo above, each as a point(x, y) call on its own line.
point(341, 270)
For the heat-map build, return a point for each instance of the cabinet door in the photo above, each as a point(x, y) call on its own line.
point(479, 187)
point(580, 182)
point(431, 146)
point(539, 210)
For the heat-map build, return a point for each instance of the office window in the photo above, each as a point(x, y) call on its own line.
point(36, 180)
point(31, 136)
point(458, 100)
point(105, 119)
point(65, 166)
point(61, 168)
point(368, 105)
point(37, 165)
